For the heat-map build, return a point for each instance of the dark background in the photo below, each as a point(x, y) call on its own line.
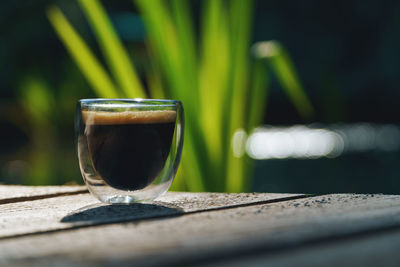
point(346, 54)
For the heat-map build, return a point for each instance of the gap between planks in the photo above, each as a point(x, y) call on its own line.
point(37, 197)
point(154, 217)
point(15, 193)
point(326, 223)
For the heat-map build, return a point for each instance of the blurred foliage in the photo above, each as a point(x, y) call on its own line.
point(222, 88)
point(344, 51)
point(43, 120)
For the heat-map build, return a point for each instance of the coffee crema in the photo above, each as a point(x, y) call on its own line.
point(129, 149)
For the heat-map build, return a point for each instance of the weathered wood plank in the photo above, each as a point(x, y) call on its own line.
point(375, 249)
point(216, 235)
point(82, 210)
point(17, 193)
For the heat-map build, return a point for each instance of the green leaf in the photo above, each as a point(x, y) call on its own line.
point(258, 95)
point(236, 171)
point(37, 98)
point(214, 66)
point(177, 67)
point(81, 53)
point(154, 78)
point(114, 52)
point(285, 71)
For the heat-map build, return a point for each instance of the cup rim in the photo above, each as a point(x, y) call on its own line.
point(138, 102)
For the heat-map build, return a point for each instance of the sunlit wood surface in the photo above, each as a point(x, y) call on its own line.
point(67, 226)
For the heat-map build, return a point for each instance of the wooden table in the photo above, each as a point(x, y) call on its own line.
point(65, 225)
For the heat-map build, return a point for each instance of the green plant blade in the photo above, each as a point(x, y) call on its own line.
point(240, 38)
point(37, 98)
point(185, 33)
point(114, 52)
point(255, 113)
point(163, 36)
point(284, 69)
point(154, 78)
point(165, 39)
point(214, 66)
point(191, 175)
point(258, 95)
point(82, 55)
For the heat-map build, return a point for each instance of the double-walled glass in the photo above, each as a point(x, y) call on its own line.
point(128, 149)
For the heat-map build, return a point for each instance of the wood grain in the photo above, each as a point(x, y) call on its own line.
point(375, 249)
point(248, 229)
point(17, 193)
point(72, 211)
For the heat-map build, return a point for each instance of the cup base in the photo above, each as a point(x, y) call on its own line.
point(125, 200)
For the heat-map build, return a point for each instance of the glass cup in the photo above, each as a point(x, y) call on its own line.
point(128, 149)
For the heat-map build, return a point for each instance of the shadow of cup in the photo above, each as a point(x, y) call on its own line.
point(104, 213)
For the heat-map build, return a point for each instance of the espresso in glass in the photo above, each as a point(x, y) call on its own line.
point(130, 150)
point(129, 142)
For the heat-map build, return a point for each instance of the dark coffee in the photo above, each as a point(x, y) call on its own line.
point(129, 149)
